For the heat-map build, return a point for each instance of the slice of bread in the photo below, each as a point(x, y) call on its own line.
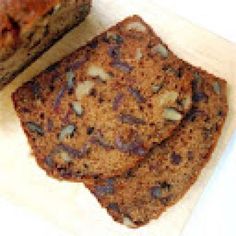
point(162, 179)
point(98, 112)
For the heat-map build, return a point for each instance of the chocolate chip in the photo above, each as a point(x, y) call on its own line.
point(136, 94)
point(113, 206)
point(193, 114)
point(180, 72)
point(200, 96)
point(99, 139)
point(77, 64)
point(206, 132)
point(129, 174)
point(101, 99)
point(49, 161)
point(93, 44)
point(36, 89)
point(65, 172)
point(105, 39)
point(106, 189)
point(42, 116)
point(175, 159)
point(52, 68)
point(93, 92)
point(123, 66)
point(135, 147)
point(119, 39)
point(130, 119)
point(197, 81)
point(190, 155)
point(73, 152)
point(155, 191)
point(166, 186)
point(220, 113)
point(58, 99)
point(114, 52)
point(25, 110)
point(85, 166)
point(117, 101)
point(51, 87)
point(90, 130)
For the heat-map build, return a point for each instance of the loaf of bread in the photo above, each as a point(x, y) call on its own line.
point(28, 27)
point(162, 179)
point(100, 110)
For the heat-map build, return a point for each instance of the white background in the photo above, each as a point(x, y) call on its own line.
point(215, 212)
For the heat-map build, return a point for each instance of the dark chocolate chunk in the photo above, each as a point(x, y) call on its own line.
point(199, 96)
point(136, 94)
point(175, 159)
point(155, 191)
point(36, 89)
point(107, 188)
point(134, 147)
point(93, 44)
point(75, 153)
point(117, 101)
point(50, 125)
point(100, 140)
point(49, 161)
point(58, 99)
point(130, 119)
point(76, 65)
point(193, 114)
point(90, 130)
point(114, 52)
point(113, 206)
point(190, 155)
point(123, 66)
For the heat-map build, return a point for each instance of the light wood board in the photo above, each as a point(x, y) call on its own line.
point(70, 206)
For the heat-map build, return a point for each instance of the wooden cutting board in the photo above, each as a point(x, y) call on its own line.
point(70, 206)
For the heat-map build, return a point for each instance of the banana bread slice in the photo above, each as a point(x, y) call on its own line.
point(99, 111)
point(29, 27)
point(162, 179)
